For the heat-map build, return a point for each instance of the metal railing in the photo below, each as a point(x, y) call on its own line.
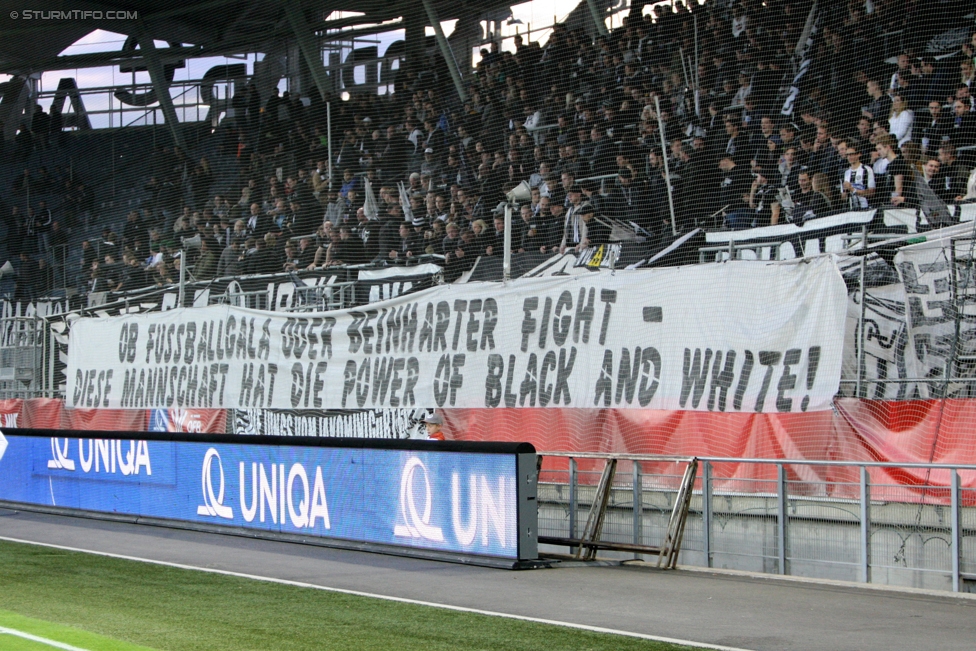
point(26, 358)
point(842, 520)
point(603, 528)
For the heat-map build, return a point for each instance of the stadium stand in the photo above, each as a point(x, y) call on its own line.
point(788, 113)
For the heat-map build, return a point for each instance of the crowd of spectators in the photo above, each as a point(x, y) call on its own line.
point(577, 119)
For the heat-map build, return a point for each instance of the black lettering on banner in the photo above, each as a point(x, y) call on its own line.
point(721, 380)
point(379, 330)
point(427, 329)
point(168, 351)
point(769, 359)
point(128, 388)
point(584, 315)
point(247, 383)
point(398, 365)
point(192, 384)
point(219, 342)
point(108, 385)
point(812, 366)
point(545, 390)
point(222, 369)
point(319, 384)
point(493, 380)
point(362, 384)
point(241, 350)
point(393, 321)
point(694, 376)
point(510, 398)
point(124, 342)
point(530, 384)
point(352, 332)
point(259, 386)
point(413, 375)
point(313, 337)
point(178, 351)
point(563, 370)
point(349, 380)
point(128, 338)
point(787, 381)
point(382, 372)
point(325, 337)
point(287, 342)
point(608, 297)
point(191, 339)
point(442, 379)
point(203, 386)
point(264, 345)
point(604, 383)
point(649, 357)
point(490, 310)
point(180, 389)
point(140, 389)
point(171, 390)
point(528, 323)
point(440, 329)
point(544, 322)
point(151, 388)
point(251, 353)
point(560, 326)
point(460, 307)
point(473, 325)
point(409, 328)
point(627, 375)
point(368, 332)
point(297, 383)
point(201, 354)
point(230, 336)
point(457, 380)
point(740, 389)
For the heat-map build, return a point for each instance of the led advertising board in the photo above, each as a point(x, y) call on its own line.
point(410, 494)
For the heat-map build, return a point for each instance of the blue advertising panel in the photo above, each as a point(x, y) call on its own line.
point(446, 501)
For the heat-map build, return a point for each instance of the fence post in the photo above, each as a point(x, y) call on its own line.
point(955, 545)
point(707, 511)
point(638, 507)
point(781, 514)
point(572, 501)
point(865, 526)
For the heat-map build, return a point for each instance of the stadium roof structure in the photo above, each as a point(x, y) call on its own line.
point(32, 38)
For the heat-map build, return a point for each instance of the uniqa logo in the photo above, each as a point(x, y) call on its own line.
point(417, 524)
point(213, 504)
point(59, 456)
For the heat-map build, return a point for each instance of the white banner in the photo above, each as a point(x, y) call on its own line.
point(739, 336)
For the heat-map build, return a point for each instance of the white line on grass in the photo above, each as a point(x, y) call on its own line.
point(462, 609)
point(39, 640)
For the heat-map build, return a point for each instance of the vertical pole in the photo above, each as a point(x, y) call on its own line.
point(861, 370)
point(446, 51)
point(667, 170)
point(572, 501)
point(601, 26)
point(182, 293)
point(507, 259)
point(328, 134)
point(707, 511)
point(955, 545)
point(865, 526)
point(308, 45)
point(638, 507)
point(781, 515)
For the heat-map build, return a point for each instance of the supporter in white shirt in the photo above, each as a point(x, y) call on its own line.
point(901, 120)
point(858, 181)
